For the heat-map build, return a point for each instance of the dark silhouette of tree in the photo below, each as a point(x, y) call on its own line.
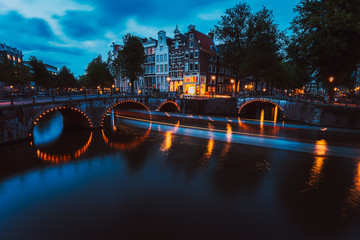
point(130, 59)
point(98, 74)
point(326, 39)
point(66, 78)
point(253, 45)
point(41, 76)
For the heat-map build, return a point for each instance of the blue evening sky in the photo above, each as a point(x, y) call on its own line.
point(73, 32)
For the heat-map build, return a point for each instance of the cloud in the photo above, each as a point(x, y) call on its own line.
point(211, 16)
point(75, 31)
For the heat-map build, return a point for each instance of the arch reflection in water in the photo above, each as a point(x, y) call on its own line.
point(124, 133)
point(49, 129)
point(64, 157)
point(261, 109)
point(166, 144)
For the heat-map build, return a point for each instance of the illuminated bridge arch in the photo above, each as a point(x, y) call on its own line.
point(169, 106)
point(262, 100)
point(71, 115)
point(127, 104)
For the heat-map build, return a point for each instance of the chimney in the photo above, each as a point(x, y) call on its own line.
point(211, 35)
point(191, 27)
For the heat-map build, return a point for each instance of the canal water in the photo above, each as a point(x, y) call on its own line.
point(181, 177)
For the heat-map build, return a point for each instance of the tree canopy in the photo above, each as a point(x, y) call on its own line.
point(252, 42)
point(13, 73)
point(66, 78)
point(130, 59)
point(41, 75)
point(98, 74)
point(325, 40)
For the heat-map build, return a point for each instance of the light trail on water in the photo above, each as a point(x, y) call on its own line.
point(252, 139)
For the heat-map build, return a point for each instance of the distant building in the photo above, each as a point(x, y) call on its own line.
point(149, 82)
point(200, 63)
point(176, 63)
point(12, 53)
point(162, 61)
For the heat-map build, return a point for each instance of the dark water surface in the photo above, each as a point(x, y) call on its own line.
point(182, 180)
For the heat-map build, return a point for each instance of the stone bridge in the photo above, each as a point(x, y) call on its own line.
point(17, 121)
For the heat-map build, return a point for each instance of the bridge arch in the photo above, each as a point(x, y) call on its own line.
point(71, 115)
point(261, 100)
point(126, 103)
point(171, 105)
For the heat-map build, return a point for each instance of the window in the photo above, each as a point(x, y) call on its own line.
point(186, 66)
point(196, 53)
point(186, 55)
point(210, 68)
point(161, 48)
point(191, 55)
point(176, 45)
point(191, 44)
point(191, 36)
point(161, 68)
point(214, 69)
point(165, 57)
point(166, 67)
point(157, 68)
point(161, 58)
point(153, 50)
point(157, 58)
point(191, 67)
point(210, 58)
point(152, 69)
point(196, 66)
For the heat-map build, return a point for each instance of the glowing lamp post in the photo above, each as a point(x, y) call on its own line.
point(11, 95)
point(331, 89)
point(112, 88)
point(98, 90)
point(33, 93)
point(168, 80)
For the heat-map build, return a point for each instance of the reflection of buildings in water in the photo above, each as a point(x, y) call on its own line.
point(166, 144)
point(58, 158)
point(352, 201)
point(128, 145)
point(267, 129)
point(227, 145)
point(316, 173)
point(320, 148)
point(204, 161)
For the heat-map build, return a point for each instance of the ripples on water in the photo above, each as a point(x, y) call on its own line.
point(178, 180)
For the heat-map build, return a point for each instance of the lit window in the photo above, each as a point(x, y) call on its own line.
point(196, 53)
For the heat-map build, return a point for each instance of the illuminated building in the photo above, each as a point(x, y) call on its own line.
point(176, 64)
point(11, 53)
point(162, 61)
point(149, 82)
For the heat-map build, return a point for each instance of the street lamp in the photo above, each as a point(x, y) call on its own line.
point(11, 95)
point(168, 79)
point(112, 88)
point(33, 94)
point(331, 92)
point(98, 90)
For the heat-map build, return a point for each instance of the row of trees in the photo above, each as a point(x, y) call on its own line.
point(19, 75)
point(127, 62)
point(323, 44)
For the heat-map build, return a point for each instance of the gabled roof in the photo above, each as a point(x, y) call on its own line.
point(205, 42)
